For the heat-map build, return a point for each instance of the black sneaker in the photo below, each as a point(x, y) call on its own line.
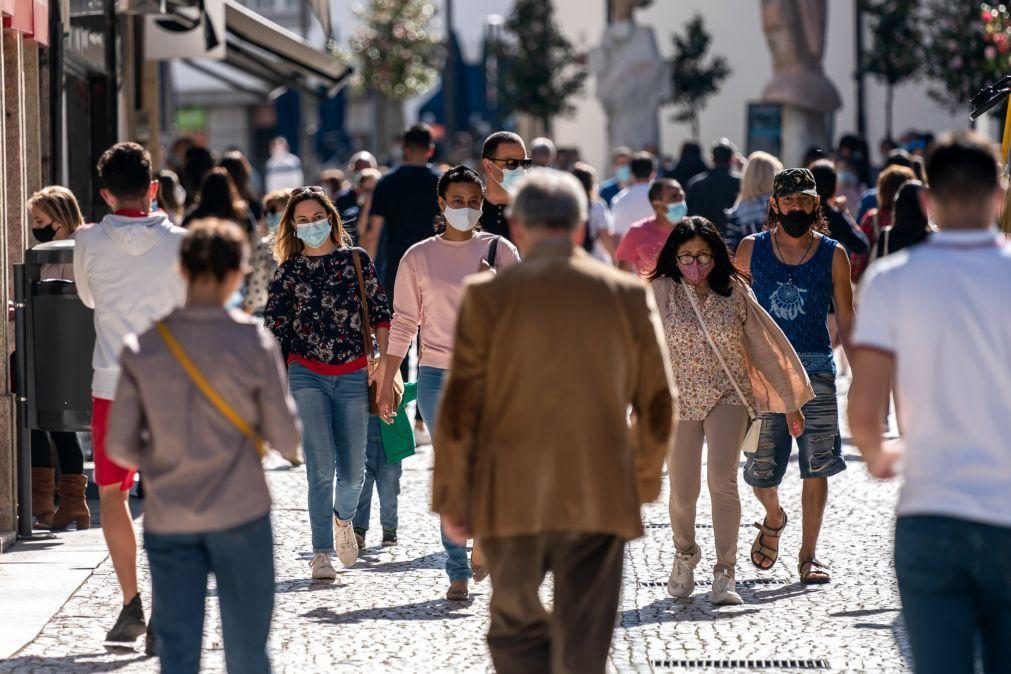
point(389, 537)
point(360, 537)
point(150, 642)
point(130, 623)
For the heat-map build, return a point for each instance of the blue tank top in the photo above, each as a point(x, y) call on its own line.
point(798, 298)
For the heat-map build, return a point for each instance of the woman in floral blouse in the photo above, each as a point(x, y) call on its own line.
point(314, 310)
point(695, 260)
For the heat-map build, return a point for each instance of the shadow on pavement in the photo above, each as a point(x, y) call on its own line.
point(70, 663)
point(435, 560)
point(777, 594)
point(697, 609)
point(862, 613)
point(433, 609)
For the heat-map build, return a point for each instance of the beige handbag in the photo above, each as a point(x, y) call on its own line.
point(750, 443)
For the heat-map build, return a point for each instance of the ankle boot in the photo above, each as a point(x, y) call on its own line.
point(43, 487)
point(73, 504)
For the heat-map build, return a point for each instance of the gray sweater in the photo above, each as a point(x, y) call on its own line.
point(201, 473)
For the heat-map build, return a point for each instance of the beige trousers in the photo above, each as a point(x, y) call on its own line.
point(723, 431)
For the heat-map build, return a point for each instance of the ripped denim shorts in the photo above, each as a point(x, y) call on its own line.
point(820, 445)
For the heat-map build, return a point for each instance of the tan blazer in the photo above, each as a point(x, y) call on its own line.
point(533, 433)
point(778, 379)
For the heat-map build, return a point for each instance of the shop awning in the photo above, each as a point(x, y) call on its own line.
point(270, 52)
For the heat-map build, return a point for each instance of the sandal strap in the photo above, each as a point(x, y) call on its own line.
point(769, 531)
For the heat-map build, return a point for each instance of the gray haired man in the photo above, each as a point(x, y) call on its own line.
point(533, 455)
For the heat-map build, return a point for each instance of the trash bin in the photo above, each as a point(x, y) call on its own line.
point(55, 335)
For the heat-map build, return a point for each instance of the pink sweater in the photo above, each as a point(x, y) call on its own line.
point(428, 291)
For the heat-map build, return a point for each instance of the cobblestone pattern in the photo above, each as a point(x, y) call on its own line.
point(388, 614)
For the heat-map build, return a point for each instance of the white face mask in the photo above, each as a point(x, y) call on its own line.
point(462, 219)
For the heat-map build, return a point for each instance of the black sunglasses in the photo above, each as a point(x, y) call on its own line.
point(513, 164)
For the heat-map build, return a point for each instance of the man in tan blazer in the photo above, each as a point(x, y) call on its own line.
point(534, 455)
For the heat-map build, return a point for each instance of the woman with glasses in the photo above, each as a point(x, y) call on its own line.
point(314, 309)
point(430, 285)
point(756, 367)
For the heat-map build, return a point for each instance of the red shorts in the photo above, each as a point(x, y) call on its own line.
point(106, 472)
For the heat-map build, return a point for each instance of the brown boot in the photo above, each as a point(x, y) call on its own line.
point(73, 505)
point(43, 487)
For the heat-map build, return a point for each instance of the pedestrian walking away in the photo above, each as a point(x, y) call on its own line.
point(520, 365)
point(430, 285)
point(798, 273)
point(632, 204)
point(207, 508)
point(712, 193)
point(936, 303)
point(126, 268)
point(314, 308)
point(737, 361)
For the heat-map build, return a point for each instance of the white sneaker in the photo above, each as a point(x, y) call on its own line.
point(682, 577)
point(725, 590)
point(321, 567)
point(344, 541)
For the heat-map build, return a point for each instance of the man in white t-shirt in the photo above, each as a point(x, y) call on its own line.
point(632, 203)
point(934, 323)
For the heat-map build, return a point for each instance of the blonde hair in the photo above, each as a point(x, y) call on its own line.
point(759, 173)
point(286, 244)
point(60, 204)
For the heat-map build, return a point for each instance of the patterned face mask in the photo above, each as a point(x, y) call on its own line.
point(696, 272)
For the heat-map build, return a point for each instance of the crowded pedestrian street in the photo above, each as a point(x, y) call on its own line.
point(388, 613)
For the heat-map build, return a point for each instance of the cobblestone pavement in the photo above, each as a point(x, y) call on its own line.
point(388, 613)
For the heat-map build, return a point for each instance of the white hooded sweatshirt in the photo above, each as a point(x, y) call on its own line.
point(127, 270)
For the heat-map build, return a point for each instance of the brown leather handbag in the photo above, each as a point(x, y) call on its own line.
point(398, 380)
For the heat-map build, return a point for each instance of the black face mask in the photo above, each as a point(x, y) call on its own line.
point(796, 223)
point(44, 234)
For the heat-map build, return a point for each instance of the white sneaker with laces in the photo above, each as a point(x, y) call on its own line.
point(345, 542)
point(682, 577)
point(725, 590)
point(321, 567)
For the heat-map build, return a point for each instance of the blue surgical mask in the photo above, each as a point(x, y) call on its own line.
point(273, 221)
point(623, 173)
point(314, 234)
point(677, 212)
point(511, 177)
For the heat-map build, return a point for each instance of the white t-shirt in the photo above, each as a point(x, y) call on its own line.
point(630, 206)
point(941, 308)
point(600, 221)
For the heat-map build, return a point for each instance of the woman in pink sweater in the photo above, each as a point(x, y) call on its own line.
point(429, 287)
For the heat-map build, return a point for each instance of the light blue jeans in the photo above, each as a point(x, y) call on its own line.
point(430, 381)
point(335, 414)
point(385, 476)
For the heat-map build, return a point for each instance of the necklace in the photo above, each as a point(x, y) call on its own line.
point(782, 258)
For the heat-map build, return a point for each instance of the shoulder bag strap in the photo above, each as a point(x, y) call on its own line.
point(204, 386)
point(366, 323)
point(493, 252)
point(705, 330)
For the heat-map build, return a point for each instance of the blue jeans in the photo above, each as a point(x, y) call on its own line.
point(820, 445)
point(430, 381)
point(335, 414)
point(386, 477)
point(955, 583)
point(242, 561)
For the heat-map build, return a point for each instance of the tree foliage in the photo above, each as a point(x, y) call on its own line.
point(895, 54)
point(693, 78)
point(539, 65)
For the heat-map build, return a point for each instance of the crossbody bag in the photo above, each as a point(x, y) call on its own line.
point(750, 443)
point(209, 392)
point(398, 380)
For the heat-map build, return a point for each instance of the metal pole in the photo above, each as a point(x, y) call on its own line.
point(111, 67)
point(859, 75)
point(21, 404)
point(449, 75)
point(56, 94)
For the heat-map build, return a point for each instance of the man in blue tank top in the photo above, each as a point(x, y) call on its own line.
point(798, 274)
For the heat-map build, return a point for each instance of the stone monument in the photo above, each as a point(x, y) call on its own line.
point(633, 79)
point(795, 31)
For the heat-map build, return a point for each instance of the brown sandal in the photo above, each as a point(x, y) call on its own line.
point(813, 572)
point(767, 553)
point(458, 591)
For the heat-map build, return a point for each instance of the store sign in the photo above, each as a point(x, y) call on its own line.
point(197, 31)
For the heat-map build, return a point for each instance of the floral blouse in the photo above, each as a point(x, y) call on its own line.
point(702, 382)
point(314, 310)
point(264, 266)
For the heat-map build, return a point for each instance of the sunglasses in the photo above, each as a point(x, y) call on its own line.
point(310, 189)
point(513, 164)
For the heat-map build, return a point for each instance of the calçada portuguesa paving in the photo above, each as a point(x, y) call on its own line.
point(388, 613)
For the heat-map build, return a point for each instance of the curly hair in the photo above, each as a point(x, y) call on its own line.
point(286, 244)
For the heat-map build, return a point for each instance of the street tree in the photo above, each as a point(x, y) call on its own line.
point(895, 54)
point(694, 78)
point(539, 66)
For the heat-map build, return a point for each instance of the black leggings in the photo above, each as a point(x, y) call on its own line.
point(68, 451)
